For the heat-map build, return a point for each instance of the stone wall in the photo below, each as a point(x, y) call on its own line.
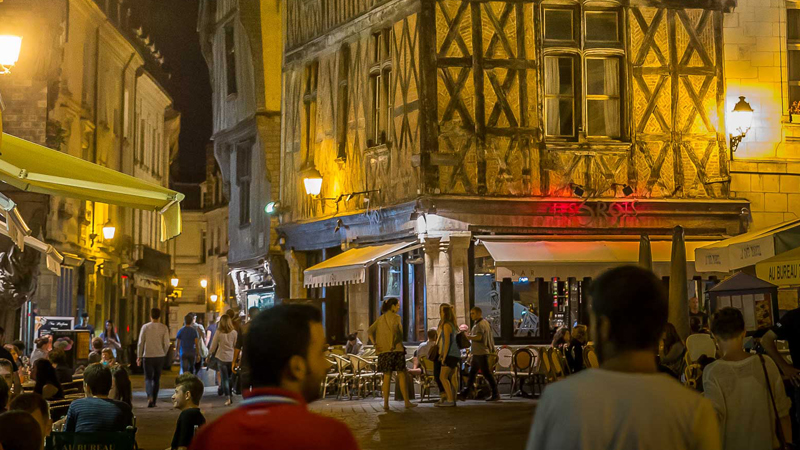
point(766, 167)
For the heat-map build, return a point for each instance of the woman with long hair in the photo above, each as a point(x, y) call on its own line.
point(561, 338)
point(121, 389)
point(222, 349)
point(449, 354)
point(47, 384)
point(387, 334)
point(110, 337)
point(671, 350)
point(574, 351)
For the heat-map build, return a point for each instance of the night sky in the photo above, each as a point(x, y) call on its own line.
point(173, 25)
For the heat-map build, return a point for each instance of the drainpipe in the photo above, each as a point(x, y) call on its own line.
point(122, 102)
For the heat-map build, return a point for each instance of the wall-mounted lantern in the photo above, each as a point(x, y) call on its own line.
point(741, 121)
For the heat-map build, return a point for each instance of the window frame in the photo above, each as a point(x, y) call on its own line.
point(581, 50)
point(380, 76)
point(343, 103)
point(792, 47)
point(231, 84)
point(309, 121)
point(244, 179)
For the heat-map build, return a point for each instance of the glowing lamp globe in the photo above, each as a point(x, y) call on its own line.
point(204, 283)
point(9, 49)
point(174, 281)
point(313, 182)
point(742, 116)
point(109, 232)
point(213, 298)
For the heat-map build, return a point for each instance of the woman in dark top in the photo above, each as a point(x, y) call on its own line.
point(47, 384)
point(110, 338)
point(671, 350)
point(574, 353)
point(121, 389)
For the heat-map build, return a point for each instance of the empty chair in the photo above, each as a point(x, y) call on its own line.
point(523, 363)
point(590, 357)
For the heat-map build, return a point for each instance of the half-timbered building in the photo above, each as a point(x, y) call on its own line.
point(433, 148)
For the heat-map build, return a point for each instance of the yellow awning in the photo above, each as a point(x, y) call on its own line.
point(781, 270)
point(32, 167)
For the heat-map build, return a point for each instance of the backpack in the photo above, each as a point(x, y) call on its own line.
point(462, 340)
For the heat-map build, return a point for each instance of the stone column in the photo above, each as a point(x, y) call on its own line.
point(459, 269)
point(297, 263)
point(438, 281)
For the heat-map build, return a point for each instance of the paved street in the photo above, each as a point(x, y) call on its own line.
point(425, 427)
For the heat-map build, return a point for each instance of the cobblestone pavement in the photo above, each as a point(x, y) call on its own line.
point(471, 425)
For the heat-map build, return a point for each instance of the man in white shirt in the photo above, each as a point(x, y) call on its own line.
point(626, 403)
point(152, 349)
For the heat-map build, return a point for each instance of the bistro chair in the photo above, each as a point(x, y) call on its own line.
point(426, 380)
point(557, 363)
point(693, 375)
point(522, 365)
point(364, 375)
point(59, 408)
point(73, 387)
point(331, 378)
point(345, 376)
point(590, 357)
point(504, 361)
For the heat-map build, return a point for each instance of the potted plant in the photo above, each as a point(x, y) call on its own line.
point(794, 112)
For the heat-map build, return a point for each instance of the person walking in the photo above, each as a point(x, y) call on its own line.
point(110, 338)
point(787, 329)
point(449, 355)
point(742, 388)
point(482, 345)
point(387, 335)
point(152, 349)
point(626, 403)
point(222, 349)
point(285, 350)
point(202, 348)
point(187, 342)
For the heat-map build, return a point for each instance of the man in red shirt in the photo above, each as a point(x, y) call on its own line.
point(285, 351)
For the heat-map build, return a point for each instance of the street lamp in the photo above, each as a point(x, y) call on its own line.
point(741, 120)
point(204, 283)
point(109, 231)
point(213, 298)
point(312, 181)
point(10, 46)
point(174, 281)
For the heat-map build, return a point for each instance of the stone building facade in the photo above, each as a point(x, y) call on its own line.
point(87, 84)
point(238, 41)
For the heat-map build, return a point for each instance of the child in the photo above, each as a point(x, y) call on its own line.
point(188, 392)
point(108, 359)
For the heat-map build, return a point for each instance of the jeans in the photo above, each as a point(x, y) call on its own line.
point(226, 371)
point(152, 375)
point(187, 363)
point(481, 362)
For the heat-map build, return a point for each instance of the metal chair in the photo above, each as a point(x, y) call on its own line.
point(522, 365)
point(556, 364)
point(426, 380)
point(364, 375)
point(345, 376)
point(331, 378)
point(590, 357)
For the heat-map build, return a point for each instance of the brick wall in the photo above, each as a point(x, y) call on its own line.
point(766, 167)
point(25, 115)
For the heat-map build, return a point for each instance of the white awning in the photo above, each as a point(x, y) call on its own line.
point(748, 249)
point(529, 258)
point(350, 267)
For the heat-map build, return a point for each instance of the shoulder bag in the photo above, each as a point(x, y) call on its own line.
point(778, 429)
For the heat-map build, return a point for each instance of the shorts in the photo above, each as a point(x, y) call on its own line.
point(392, 362)
point(451, 361)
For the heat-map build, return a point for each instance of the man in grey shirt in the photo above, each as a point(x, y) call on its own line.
point(152, 349)
point(482, 346)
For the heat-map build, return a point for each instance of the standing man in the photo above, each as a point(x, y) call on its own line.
point(694, 311)
point(187, 342)
point(482, 346)
point(626, 403)
point(202, 348)
point(285, 350)
point(153, 347)
point(84, 325)
point(787, 329)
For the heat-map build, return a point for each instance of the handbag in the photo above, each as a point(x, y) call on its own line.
point(778, 428)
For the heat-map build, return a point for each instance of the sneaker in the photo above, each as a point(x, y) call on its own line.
point(494, 398)
point(440, 401)
point(448, 404)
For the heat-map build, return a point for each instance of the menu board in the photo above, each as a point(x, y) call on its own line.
point(756, 309)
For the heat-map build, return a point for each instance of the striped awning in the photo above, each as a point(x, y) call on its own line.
point(350, 267)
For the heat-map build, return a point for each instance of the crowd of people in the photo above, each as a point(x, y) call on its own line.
point(633, 400)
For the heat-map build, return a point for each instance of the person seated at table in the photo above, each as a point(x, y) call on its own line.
point(421, 351)
point(108, 358)
point(63, 371)
point(8, 372)
point(121, 389)
point(43, 346)
point(96, 355)
point(47, 384)
point(36, 406)
point(354, 345)
point(19, 431)
point(97, 413)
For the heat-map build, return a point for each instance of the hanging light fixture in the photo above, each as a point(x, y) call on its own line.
point(109, 231)
point(741, 120)
point(312, 180)
point(10, 46)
